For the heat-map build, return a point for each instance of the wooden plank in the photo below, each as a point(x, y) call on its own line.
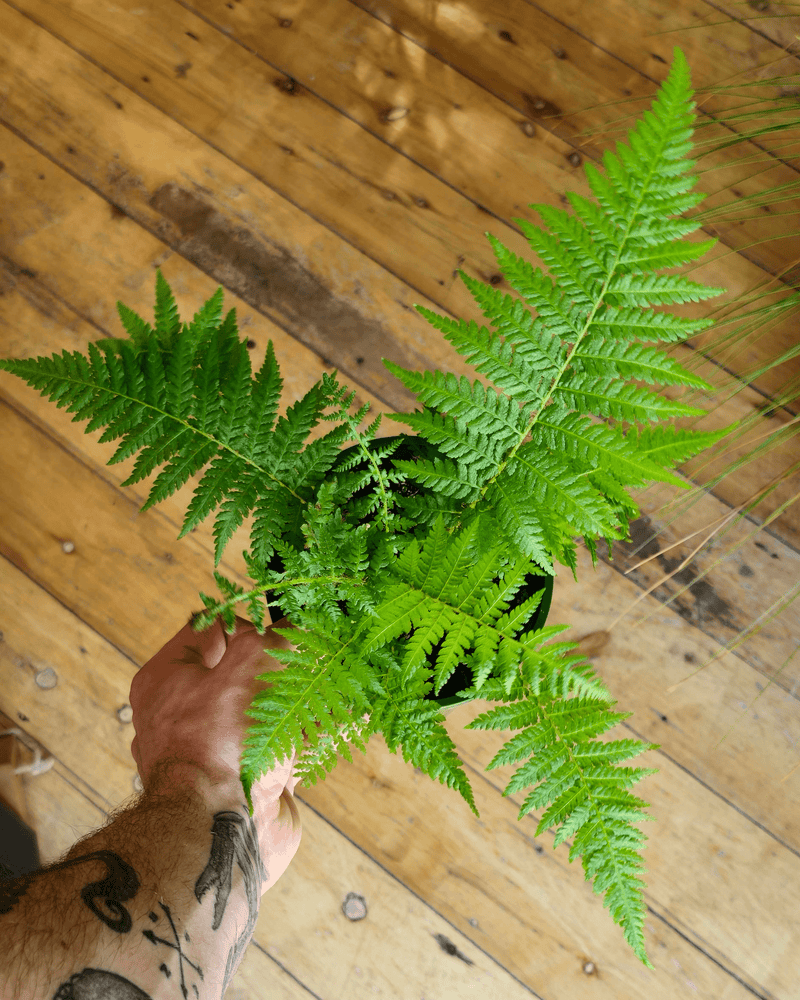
point(61, 812)
point(174, 205)
point(96, 571)
point(325, 177)
point(703, 714)
point(27, 306)
point(301, 925)
point(272, 222)
point(722, 605)
point(590, 82)
point(707, 871)
point(765, 480)
point(763, 18)
point(19, 329)
point(123, 595)
point(565, 946)
point(739, 577)
point(260, 976)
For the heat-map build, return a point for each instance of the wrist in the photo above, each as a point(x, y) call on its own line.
point(214, 788)
point(220, 796)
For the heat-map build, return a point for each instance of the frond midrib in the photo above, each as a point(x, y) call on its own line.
point(559, 375)
point(144, 404)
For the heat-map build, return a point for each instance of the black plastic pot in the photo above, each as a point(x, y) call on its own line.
point(411, 448)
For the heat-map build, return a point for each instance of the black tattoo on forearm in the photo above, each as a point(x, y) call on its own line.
point(178, 948)
point(93, 984)
point(234, 839)
point(96, 984)
point(119, 885)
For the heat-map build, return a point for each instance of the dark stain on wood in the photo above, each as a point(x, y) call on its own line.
point(449, 948)
point(642, 543)
point(593, 643)
point(287, 85)
point(182, 70)
point(272, 282)
point(538, 107)
point(506, 37)
point(760, 545)
point(707, 608)
point(704, 608)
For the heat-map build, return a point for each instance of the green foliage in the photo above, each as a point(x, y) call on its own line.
point(396, 572)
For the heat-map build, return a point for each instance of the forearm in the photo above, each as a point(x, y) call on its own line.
point(162, 902)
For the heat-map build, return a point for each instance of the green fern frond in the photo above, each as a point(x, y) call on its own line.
point(573, 360)
point(583, 792)
point(648, 364)
point(184, 399)
point(668, 445)
point(166, 314)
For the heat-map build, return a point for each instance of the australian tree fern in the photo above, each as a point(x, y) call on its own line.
point(390, 592)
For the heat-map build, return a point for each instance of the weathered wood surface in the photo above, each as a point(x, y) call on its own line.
point(263, 147)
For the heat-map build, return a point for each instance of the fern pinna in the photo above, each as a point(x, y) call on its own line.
point(391, 588)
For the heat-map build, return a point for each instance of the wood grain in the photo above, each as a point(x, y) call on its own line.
point(331, 165)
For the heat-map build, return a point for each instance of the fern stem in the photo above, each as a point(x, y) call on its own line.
point(231, 601)
point(244, 459)
point(374, 464)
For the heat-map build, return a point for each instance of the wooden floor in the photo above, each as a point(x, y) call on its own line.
point(331, 164)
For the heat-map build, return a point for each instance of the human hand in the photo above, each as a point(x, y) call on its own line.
point(189, 704)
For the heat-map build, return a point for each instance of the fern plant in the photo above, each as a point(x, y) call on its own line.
point(398, 572)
